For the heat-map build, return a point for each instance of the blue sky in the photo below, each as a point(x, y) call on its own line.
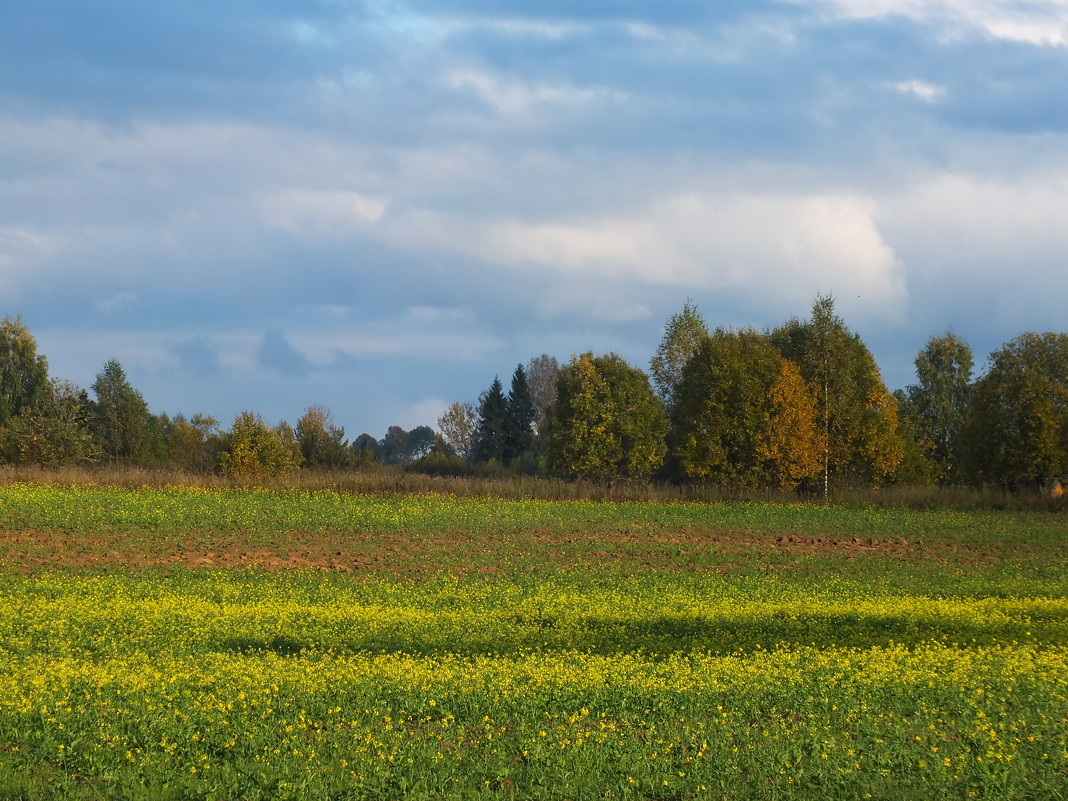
point(377, 206)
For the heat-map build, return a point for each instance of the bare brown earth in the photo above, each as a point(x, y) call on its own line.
point(35, 551)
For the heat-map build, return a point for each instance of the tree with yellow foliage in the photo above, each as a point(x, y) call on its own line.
point(606, 423)
point(743, 416)
point(856, 415)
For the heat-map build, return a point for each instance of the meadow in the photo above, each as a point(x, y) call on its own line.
point(225, 643)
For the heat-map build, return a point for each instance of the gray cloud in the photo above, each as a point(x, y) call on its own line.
point(276, 353)
point(198, 356)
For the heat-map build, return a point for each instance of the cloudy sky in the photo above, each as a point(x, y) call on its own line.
point(377, 206)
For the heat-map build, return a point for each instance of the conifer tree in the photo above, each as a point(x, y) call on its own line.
point(491, 435)
point(520, 416)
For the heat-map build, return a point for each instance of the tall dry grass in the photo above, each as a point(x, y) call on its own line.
point(388, 480)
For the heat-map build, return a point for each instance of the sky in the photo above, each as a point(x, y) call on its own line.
point(378, 206)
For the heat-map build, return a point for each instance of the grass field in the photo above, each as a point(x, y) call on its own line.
point(240, 644)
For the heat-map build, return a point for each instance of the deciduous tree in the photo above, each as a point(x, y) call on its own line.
point(254, 449)
point(457, 427)
point(683, 334)
point(322, 444)
point(193, 444)
point(421, 441)
point(743, 416)
point(120, 417)
point(857, 416)
point(1017, 425)
point(54, 430)
point(936, 406)
point(23, 373)
point(606, 424)
point(541, 378)
point(790, 442)
point(396, 446)
point(364, 450)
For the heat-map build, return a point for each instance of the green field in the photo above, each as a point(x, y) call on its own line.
point(232, 644)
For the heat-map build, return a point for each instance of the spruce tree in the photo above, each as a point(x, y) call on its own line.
point(521, 416)
point(491, 436)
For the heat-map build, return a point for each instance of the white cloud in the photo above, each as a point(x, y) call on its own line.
point(539, 28)
point(1038, 22)
point(512, 98)
point(1008, 231)
point(423, 412)
point(320, 211)
point(116, 303)
point(430, 315)
point(20, 251)
point(928, 92)
point(783, 247)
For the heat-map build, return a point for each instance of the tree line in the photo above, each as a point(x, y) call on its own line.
point(799, 407)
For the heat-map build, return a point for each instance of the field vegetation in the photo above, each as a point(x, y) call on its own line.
point(221, 642)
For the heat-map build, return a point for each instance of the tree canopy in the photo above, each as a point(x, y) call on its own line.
point(937, 404)
point(1017, 424)
point(255, 449)
point(801, 406)
point(120, 417)
point(606, 424)
point(23, 373)
point(742, 415)
point(856, 415)
point(683, 335)
point(520, 416)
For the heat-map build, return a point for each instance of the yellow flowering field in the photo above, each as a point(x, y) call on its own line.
point(435, 647)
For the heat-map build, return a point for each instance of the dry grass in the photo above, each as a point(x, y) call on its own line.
point(389, 480)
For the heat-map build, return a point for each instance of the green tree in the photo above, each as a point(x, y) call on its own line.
point(254, 449)
point(54, 430)
point(457, 427)
point(606, 424)
point(421, 441)
point(937, 404)
point(396, 446)
point(322, 444)
point(120, 417)
point(742, 415)
point(193, 444)
point(857, 416)
point(364, 450)
point(491, 434)
point(1017, 425)
point(520, 417)
point(683, 334)
point(916, 468)
point(23, 374)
